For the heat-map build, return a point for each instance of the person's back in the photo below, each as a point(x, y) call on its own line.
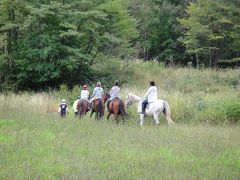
point(150, 96)
point(63, 108)
point(98, 92)
point(115, 92)
point(84, 94)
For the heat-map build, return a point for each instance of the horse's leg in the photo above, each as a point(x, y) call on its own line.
point(96, 117)
point(108, 115)
point(141, 119)
point(116, 117)
point(91, 113)
point(80, 113)
point(155, 115)
point(123, 118)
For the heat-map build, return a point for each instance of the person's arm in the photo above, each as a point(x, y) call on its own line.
point(110, 92)
point(147, 93)
point(94, 92)
point(119, 90)
point(59, 110)
point(66, 109)
point(89, 95)
point(102, 91)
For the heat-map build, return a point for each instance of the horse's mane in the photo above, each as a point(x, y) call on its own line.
point(137, 98)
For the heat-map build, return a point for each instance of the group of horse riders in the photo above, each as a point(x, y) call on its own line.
point(149, 97)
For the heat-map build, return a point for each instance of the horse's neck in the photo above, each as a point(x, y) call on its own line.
point(136, 98)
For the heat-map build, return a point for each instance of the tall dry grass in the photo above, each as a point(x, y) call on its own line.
point(28, 102)
point(195, 96)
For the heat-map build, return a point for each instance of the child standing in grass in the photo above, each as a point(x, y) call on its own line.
point(63, 109)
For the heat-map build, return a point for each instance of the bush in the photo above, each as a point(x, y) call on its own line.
point(233, 110)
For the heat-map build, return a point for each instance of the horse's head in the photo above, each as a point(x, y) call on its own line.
point(129, 100)
point(106, 96)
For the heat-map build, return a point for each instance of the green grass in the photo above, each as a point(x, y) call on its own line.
point(204, 144)
point(48, 147)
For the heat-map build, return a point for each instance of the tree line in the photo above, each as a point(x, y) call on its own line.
point(47, 43)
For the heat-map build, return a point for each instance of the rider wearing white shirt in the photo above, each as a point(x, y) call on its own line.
point(85, 93)
point(150, 96)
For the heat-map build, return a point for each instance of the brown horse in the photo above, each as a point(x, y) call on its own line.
point(116, 107)
point(82, 107)
point(98, 108)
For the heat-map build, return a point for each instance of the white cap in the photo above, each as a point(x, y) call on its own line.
point(63, 100)
point(98, 84)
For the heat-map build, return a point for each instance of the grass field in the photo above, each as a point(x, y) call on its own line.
point(48, 147)
point(204, 144)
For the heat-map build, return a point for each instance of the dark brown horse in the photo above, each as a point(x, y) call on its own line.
point(98, 108)
point(116, 107)
point(82, 107)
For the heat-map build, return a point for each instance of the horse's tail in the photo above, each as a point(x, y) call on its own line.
point(167, 112)
point(100, 109)
point(122, 109)
point(80, 107)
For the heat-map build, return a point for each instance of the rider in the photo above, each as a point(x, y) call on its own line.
point(85, 93)
point(75, 106)
point(150, 96)
point(63, 109)
point(97, 93)
point(114, 92)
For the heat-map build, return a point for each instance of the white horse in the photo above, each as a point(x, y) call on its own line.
point(155, 108)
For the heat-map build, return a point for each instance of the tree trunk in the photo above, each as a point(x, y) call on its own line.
point(145, 51)
point(210, 58)
point(214, 58)
point(197, 60)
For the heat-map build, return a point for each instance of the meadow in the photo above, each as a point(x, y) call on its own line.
point(35, 143)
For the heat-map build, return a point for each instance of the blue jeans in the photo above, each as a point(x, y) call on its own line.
point(144, 105)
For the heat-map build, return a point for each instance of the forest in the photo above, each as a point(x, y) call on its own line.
point(45, 43)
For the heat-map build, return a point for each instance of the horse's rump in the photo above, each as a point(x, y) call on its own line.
point(116, 106)
point(98, 107)
point(83, 102)
point(82, 106)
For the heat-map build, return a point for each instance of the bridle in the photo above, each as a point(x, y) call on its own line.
point(129, 101)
